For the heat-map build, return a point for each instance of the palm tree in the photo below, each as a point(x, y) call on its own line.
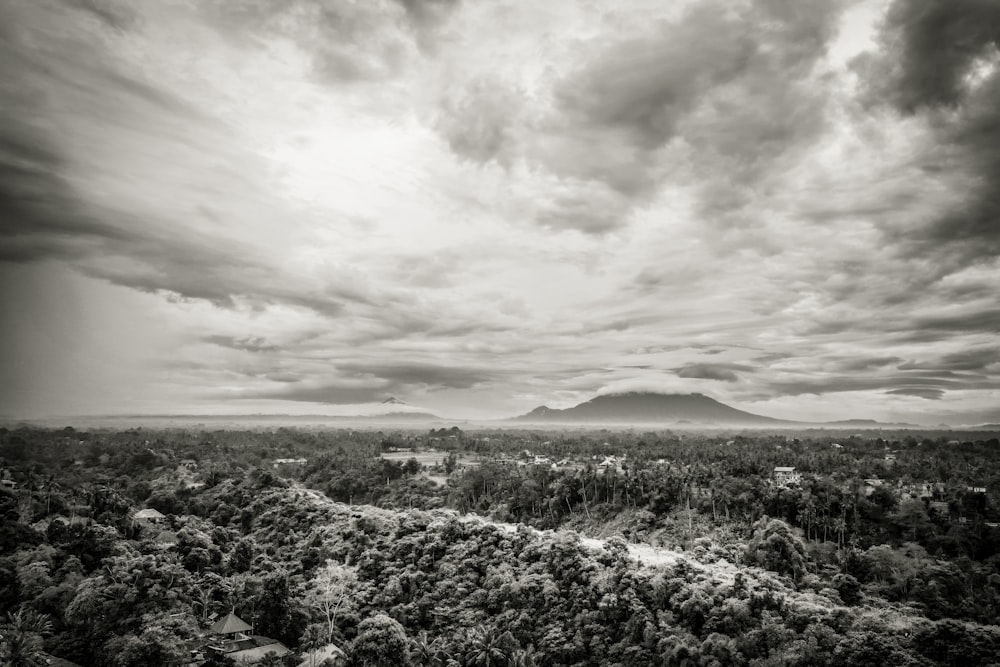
point(21, 639)
point(484, 648)
point(523, 657)
point(428, 651)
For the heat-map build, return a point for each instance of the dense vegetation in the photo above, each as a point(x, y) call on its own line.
point(380, 560)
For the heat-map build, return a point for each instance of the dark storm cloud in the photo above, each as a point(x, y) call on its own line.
point(965, 360)
point(932, 48)
point(939, 41)
point(726, 372)
point(643, 86)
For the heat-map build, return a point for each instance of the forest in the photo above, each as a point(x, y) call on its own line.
point(501, 547)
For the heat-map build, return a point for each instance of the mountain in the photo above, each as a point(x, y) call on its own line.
point(867, 424)
point(644, 407)
point(392, 400)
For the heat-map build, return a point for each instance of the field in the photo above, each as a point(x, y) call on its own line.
point(434, 458)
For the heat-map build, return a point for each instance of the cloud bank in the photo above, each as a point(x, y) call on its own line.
point(483, 207)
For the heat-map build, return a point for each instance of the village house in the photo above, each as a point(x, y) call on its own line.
point(918, 491)
point(786, 475)
point(148, 518)
point(231, 637)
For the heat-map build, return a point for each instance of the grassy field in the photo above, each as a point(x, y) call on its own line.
point(465, 459)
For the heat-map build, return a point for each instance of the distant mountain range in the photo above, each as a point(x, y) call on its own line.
point(641, 407)
point(674, 409)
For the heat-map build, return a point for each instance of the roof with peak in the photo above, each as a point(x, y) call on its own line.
point(229, 625)
point(149, 513)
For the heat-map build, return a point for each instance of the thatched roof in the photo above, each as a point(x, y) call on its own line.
point(149, 513)
point(229, 625)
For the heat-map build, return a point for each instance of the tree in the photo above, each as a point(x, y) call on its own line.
point(241, 557)
point(774, 546)
point(849, 589)
point(311, 640)
point(427, 651)
point(485, 647)
point(21, 639)
point(328, 592)
point(162, 641)
point(381, 642)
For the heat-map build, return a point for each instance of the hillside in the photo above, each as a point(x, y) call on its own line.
point(641, 407)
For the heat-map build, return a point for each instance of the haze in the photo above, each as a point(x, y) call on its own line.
point(305, 207)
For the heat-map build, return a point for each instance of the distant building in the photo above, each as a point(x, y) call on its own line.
point(289, 462)
point(785, 475)
point(871, 484)
point(890, 458)
point(977, 489)
point(230, 639)
point(148, 518)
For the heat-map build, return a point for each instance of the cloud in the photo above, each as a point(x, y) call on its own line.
point(868, 363)
point(254, 344)
point(716, 93)
point(489, 206)
point(345, 42)
point(723, 372)
point(965, 360)
point(957, 89)
point(920, 392)
point(405, 375)
point(330, 394)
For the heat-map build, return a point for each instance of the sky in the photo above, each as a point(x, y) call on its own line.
point(479, 207)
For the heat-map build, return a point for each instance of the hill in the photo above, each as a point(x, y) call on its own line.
point(644, 407)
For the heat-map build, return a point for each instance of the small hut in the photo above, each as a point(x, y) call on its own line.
point(230, 625)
